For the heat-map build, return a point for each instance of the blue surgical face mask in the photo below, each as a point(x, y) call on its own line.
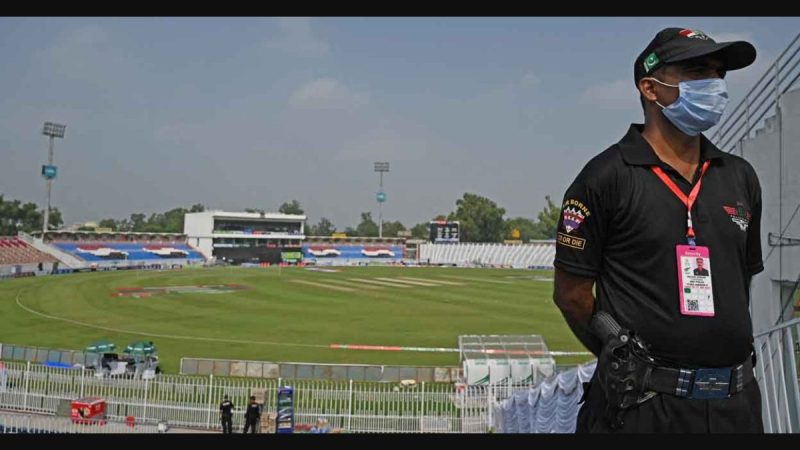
point(699, 106)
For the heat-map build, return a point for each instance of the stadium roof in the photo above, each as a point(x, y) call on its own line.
point(249, 216)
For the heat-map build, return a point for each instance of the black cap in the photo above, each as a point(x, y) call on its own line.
point(673, 45)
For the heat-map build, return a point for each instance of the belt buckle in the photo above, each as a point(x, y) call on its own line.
point(711, 383)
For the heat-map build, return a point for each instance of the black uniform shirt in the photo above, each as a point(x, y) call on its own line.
point(253, 411)
point(620, 224)
point(225, 407)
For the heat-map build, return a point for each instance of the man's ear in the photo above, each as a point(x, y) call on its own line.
point(647, 88)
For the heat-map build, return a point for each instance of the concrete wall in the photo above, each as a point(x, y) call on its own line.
point(774, 152)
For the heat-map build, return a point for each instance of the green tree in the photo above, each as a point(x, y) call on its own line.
point(16, 216)
point(547, 225)
point(108, 223)
point(527, 228)
point(124, 225)
point(30, 217)
point(55, 221)
point(390, 229)
point(138, 221)
point(291, 208)
point(367, 227)
point(323, 228)
point(421, 231)
point(173, 220)
point(481, 220)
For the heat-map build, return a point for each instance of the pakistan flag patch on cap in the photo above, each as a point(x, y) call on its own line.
point(650, 62)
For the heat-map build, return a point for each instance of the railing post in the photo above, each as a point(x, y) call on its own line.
point(777, 81)
point(144, 410)
point(793, 372)
point(490, 407)
point(422, 409)
point(350, 406)
point(791, 368)
point(210, 401)
point(27, 385)
point(775, 387)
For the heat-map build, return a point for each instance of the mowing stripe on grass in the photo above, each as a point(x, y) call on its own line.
point(413, 283)
point(432, 280)
point(323, 285)
point(477, 280)
point(379, 283)
point(352, 285)
point(166, 336)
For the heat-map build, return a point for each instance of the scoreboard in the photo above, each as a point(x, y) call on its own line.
point(444, 231)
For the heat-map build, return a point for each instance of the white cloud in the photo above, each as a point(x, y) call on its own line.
point(297, 37)
point(529, 80)
point(614, 93)
point(385, 148)
point(384, 136)
point(327, 93)
point(178, 133)
point(88, 55)
point(77, 52)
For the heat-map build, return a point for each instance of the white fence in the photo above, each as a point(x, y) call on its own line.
point(37, 424)
point(193, 401)
point(776, 372)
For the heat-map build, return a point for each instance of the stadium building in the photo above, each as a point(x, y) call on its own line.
point(242, 237)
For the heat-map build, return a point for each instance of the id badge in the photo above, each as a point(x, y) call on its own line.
point(694, 281)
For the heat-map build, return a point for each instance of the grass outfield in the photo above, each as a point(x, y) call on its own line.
point(289, 314)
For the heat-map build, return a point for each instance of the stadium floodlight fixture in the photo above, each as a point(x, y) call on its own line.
point(381, 167)
point(54, 130)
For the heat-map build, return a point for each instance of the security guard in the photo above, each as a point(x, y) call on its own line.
point(226, 415)
point(252, 415)
point(635, 222)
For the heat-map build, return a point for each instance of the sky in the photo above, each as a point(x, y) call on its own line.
point(252, 112)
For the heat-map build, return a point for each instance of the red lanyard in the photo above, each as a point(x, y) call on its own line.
point(688, 201)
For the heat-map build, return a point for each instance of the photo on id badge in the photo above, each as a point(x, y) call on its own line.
point(694, 281)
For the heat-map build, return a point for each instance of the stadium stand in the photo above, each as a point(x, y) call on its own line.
point(538, 255)
point(117, 251)
point(15, 251)
point(330, 254)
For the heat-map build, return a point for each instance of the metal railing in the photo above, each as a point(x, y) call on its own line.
point(40, 424)
point(748, 115)
point(193, 401)
point(776, 373)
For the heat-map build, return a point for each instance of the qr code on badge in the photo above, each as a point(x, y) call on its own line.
point(693, 305)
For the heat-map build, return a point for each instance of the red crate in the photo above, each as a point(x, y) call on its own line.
point(89, 410)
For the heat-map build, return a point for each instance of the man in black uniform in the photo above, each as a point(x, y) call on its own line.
point(226, 415)
point(635, 218)
point(252, 415)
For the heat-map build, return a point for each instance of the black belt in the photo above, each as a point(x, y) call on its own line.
point(701, 383)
